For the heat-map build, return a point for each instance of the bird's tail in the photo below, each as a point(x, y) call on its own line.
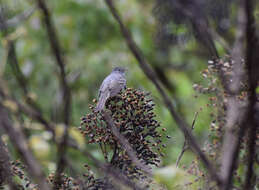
point(101, 102)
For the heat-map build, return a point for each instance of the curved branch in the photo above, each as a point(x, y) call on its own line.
point(183, 126)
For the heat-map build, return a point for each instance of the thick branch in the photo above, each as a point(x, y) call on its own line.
point(252, 58)
point(239, 120)
point(18, 139)
point(152, 76)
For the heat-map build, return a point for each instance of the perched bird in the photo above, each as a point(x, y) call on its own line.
point(111, 86)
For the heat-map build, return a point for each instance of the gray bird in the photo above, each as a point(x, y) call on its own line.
point(111, 86)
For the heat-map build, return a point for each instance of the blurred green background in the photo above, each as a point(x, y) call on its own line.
point(92, 45)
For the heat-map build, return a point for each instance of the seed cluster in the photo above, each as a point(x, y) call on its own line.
point(91, 183)
point(17, 169)
point(133, 115)
point(67, 183)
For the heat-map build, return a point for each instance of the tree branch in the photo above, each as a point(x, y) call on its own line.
point(30, 112)
point(239, 118)
point(18, 139)
point(20, 78)
point(152, 76)
point(56, 49)
point(252, 58)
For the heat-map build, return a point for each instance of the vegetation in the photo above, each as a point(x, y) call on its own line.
point(188, 118)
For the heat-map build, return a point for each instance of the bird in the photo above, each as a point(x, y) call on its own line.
point(111, 86)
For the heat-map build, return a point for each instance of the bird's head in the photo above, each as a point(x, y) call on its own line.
point(119, 69)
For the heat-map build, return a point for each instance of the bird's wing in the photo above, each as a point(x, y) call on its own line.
point(117, 83)
point(104, 86)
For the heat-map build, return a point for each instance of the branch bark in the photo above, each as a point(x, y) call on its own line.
point(235, 111)
point(19, 141)
point(252, 58)
point(240, 119)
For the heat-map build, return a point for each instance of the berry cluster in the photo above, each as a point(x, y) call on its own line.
point(133, 115)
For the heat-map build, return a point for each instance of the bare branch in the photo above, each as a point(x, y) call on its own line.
point(152, 76)
point(35, 113)
point(20, 78)
point(185, 144)
point(18, 139)
point(30, 112)
point(56, 49)
point(57, 52)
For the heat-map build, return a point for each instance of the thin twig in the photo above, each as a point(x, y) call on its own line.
point(20, 78)
point(32, 113)
point(19, 140)
point(152, 76)
point(185, 144)
point(57, 52)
